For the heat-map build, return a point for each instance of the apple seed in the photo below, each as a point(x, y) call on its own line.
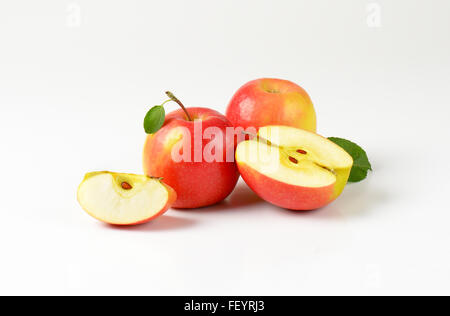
point(126, 186)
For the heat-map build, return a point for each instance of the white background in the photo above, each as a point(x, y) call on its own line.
point(77, 77)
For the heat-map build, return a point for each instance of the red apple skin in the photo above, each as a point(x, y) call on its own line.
point(197, 184)
point(286, 195)
point(269, 101)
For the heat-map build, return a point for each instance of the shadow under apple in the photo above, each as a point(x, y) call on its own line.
point(358, 199)
point(242, 196)
point(162, 223)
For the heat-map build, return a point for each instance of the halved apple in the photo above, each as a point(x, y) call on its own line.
point(293, 168)
point(124, 199)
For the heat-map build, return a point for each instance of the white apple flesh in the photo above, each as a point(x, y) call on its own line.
point(124, 199)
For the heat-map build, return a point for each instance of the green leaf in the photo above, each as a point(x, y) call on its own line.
point(361, 163)
point(154, 119)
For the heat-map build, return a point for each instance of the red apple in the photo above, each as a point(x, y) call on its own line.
point(191, 156)
point(293, 168)
point(268, 101)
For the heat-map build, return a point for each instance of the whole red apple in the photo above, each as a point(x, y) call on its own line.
point(192, 155)
point(269, 101)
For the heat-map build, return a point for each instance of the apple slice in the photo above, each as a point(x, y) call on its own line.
point(293, 168)
point(124, 199)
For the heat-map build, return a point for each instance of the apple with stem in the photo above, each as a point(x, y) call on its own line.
point(124, 199)
point(190, 148)
point(269, 101)
point(293, 168)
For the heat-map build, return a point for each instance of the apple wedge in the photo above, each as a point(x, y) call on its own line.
point(124, 199)
point(293, 168)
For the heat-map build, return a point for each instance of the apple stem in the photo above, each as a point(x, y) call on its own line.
point(175, 99)
point(157, 178)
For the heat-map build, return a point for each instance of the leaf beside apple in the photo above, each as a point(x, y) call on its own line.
point(154, 119)
point(361, 163)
